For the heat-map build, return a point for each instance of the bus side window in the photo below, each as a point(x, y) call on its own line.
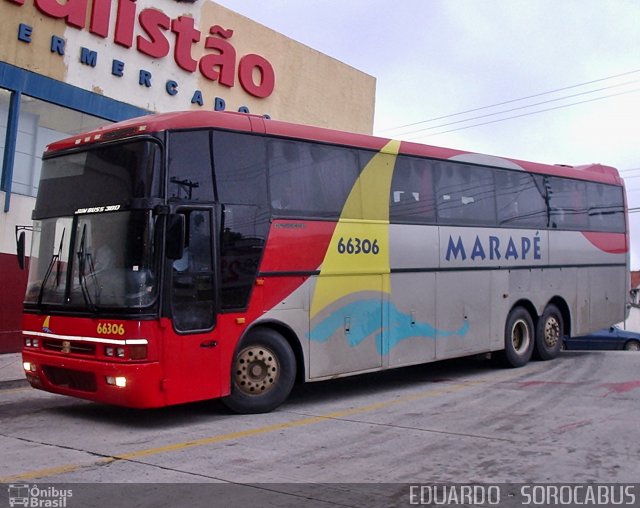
point(568, 206)
point(193, 280)
point(465, 194)
point(411, 198)
point(310, 178)
point(606, 208)
point(190, 171)
point(520, 199)
point(241, 245)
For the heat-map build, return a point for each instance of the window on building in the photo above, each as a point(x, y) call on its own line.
point(39, 124)
point(5, 99)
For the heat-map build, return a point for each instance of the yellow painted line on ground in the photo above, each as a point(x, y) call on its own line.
point(14, 390)
point(185, 445)
point(44, 473)
point(289, 425)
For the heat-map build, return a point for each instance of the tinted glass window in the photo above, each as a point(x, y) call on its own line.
point(193, 281)
point(241, 180)
point(310, 178)
point(241, 168)
point(242, 241)
point(568, 203)
point(412, 196)
point(520, 199)
point(606, 208)
point(465, 194)
point(103, 175)
point(190, 172)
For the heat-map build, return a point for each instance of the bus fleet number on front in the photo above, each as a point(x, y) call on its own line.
point(358, 246)
point(110, 329)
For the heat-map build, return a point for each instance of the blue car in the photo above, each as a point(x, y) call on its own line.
point(609, 338)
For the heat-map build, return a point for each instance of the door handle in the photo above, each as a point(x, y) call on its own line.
point(211, 343)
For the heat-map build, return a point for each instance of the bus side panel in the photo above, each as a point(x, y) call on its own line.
point(292, 311)
point(582, 316)
point(413, 258)
point(412, 319)
point(507, 287)
point(600, 290)
point(463, 308)
point(607, 285)
point(347, 336)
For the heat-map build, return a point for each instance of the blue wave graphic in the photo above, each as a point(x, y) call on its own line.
point(369, 324)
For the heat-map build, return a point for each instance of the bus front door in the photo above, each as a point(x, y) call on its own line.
point(191, 353)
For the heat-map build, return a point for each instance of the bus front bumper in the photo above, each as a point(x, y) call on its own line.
point(137, 385)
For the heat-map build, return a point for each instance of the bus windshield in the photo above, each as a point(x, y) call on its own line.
point(94, 261)
point(93, 239)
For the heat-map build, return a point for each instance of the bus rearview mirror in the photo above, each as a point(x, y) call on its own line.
point(20, 245)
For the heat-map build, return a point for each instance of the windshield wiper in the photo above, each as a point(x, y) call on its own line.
point(83, 257)
point(54, 258)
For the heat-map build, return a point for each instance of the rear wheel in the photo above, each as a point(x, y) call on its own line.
point(632, 345)
point(519, 338)
point(263, 373)
point(549, 334)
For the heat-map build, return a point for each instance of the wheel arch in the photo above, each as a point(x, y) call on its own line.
point(289, 335)
point(529, 307)
point(562, 306)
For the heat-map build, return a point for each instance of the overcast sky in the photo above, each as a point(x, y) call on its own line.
point(577, 59)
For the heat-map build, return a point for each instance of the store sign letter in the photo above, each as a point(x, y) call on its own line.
point(158, 34)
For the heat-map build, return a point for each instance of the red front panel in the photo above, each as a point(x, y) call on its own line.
point(72, 358)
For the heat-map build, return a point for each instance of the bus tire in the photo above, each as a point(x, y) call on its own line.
point(519, 338)
point(549, 334)
point(263, 373)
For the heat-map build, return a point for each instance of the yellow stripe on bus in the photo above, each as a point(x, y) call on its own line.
point(360, 242)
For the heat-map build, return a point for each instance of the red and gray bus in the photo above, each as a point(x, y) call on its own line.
point(198, 255)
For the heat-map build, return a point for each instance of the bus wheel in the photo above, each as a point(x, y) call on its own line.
point(549, 334)
point(263, 373)
point(518, 339)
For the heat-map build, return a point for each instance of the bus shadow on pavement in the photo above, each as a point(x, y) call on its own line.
point(389, 380)
point(303, 394)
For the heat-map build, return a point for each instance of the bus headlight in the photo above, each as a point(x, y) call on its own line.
point(119, 381)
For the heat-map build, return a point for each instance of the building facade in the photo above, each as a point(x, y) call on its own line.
point(69, 66)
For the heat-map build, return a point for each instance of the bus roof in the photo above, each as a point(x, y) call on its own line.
point(257, 124)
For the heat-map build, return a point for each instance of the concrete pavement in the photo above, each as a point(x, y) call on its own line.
point(11, 367)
